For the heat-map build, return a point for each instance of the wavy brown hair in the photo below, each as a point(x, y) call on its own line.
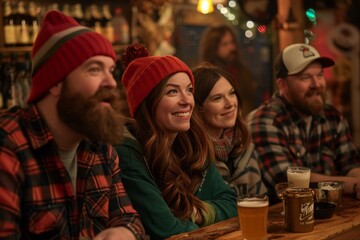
point(210, 41)
point(177, 166)
point(206, 76)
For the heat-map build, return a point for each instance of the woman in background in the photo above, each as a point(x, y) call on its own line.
point(166, 157)
point(219, 104)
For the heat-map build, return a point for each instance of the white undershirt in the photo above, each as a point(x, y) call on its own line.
point(69, 159)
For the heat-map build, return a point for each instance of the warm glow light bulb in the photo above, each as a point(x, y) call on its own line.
point(205, 6)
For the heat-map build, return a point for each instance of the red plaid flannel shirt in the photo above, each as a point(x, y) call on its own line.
point(37, 200)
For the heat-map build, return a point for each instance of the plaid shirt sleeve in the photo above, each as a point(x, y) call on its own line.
point(345, 152)
point(121, 211)
point(11, 179)
point(36, 194)
point(272, 148)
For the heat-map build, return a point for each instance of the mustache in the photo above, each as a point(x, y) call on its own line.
point(313, 92)
point(107, 95)
point(111, 96)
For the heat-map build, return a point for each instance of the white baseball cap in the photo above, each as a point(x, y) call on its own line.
point(294, 58)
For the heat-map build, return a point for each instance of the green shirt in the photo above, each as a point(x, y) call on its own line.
point(146, 197)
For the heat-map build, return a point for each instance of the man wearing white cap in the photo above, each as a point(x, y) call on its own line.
point(297, 127)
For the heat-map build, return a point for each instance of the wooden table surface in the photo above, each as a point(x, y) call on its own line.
point(344, 224)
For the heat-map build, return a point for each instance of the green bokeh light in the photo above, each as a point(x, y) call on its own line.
point(311, 14)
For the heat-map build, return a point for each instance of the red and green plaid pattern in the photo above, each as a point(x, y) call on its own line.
point(36, 195)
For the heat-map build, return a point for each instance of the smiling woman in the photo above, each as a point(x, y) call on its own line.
point(174, 109)
point(218, 101)
point(166, 157)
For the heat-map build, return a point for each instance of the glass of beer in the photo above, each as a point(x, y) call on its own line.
point(298, 176)
point(253, 216)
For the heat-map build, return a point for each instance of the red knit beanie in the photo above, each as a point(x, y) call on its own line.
point(61, 46)
point(143, 73)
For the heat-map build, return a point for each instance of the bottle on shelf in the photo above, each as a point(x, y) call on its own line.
point(33, 21)
point(134, 25)
point(66, 9)
point(95, 18)
point(53, 6)
point(121, 27)
point(21, 26)
point(87, 16)
point(106, 24)
point(78, 14)
point(9, 25)
point(7, 74)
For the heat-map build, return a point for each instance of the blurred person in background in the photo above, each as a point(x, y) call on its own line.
point(297, 127)
point(219, 47)
point(59, 174)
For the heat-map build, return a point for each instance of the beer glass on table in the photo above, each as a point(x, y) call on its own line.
point(298, 176)
point(280, 190)
point(253, 216)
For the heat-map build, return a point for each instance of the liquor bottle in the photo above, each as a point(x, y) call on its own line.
point(95, 18)
point(134, 25)
point(121, 27)
point(53, 6)
point(33, 21)
point(66, 9)
point(9, 25)
point(7, 75)
point(21, 26)
point(78, 14)
point(107, 27)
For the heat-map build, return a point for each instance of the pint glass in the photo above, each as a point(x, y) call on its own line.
point(253, 215)
point(298, 176)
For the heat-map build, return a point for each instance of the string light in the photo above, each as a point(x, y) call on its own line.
point(311, 14)
point(261, 28)
point(309, 35)
point(205, 6)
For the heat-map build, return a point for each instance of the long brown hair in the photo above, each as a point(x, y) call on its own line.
point(206, 76)
point(177, 166)
point(210, 41)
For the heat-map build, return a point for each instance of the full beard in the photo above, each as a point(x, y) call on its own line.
point(88, 116)
point(308, 106)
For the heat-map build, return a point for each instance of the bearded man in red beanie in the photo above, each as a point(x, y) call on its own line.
point(59, 175)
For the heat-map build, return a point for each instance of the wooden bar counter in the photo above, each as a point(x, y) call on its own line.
point(344, 224)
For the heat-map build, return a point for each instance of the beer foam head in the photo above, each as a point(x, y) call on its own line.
point(328, 188)
point(299, 175)
point(252, 202)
